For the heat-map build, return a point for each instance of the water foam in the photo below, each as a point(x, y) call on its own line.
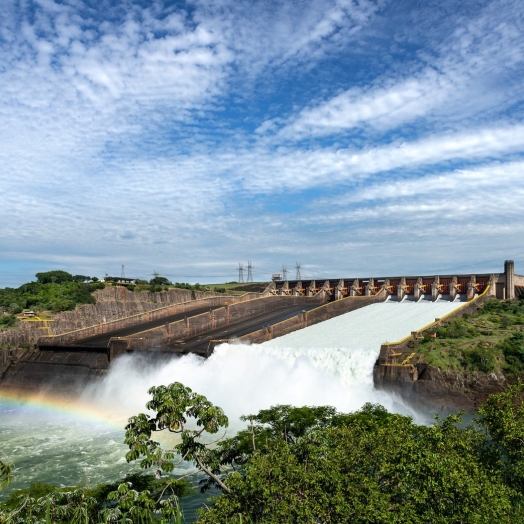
point(327, 364)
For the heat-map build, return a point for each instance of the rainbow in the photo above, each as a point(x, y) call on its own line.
point(56, 404)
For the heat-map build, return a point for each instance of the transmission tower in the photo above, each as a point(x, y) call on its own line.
point(123, 275)
point(240, 273)
point(297, 267)
point(249, 271)
point(284, 272)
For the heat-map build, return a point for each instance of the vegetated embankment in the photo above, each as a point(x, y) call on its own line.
point(456, 362)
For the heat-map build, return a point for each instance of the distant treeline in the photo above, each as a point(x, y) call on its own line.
point(58, 290)
point(53, 291)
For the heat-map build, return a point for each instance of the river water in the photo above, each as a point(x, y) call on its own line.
point(80, 440)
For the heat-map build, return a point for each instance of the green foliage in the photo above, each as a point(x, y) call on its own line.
point(138, 498)
point(48, 297)
point(512, 348)
point(478, 342)
point(512, 307)
point(7, 321)
point(312, 464)
point(370, 467)
point(6, 473)
point(480, 359)
point(159, 281)
point(54, 277)
point(457, 328)
point(191, 287)
point(174, 405)
point(81, 278)
point(502, 416)
point(143, 506)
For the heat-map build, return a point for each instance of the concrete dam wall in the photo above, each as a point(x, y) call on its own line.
point(112, 304)
point(76, 366)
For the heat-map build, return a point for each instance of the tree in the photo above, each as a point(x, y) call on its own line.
point(137, 499)
point(312, 464)
point(81, 278)
point(159, 281)
point(367, 467)
point(502, 416)
point(54, 277)
point(174, 405)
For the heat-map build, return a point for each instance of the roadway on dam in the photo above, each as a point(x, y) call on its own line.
point(199, 343)
point(102, 341)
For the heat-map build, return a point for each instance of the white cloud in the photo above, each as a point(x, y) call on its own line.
point(267, 35)
point(456, 84)
point(287, 169)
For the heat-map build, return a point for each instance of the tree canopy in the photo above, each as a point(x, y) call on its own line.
point(313, 464)
point(49, 296)
point(54, 277)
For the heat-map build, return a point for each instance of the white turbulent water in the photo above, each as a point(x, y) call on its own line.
point(326, 364)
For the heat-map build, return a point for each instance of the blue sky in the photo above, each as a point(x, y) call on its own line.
point(359, 138)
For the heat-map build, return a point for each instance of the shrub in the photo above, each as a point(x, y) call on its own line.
point(505, 322)
point(457, 329)
point(7, 321)
point(513, 350)
point(480, 359)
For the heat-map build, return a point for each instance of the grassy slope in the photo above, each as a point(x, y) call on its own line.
point(492, 339)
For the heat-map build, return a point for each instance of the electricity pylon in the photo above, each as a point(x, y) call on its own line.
point(297, 267)
point(240, 273)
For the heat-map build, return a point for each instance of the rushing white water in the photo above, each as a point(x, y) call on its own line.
point(326, 364)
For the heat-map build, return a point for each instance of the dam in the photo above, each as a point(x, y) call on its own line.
point(69, 360)
point(329, 363)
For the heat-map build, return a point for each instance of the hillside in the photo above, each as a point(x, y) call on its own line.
point(489, 340)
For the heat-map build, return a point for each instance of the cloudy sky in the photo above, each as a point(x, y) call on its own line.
point(357, 137)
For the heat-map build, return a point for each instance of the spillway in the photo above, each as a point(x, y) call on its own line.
point(326, 364)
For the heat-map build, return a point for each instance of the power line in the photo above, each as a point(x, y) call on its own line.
point(249, 271)
point(123, 275)
point(297, 267)
point(284, 272)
